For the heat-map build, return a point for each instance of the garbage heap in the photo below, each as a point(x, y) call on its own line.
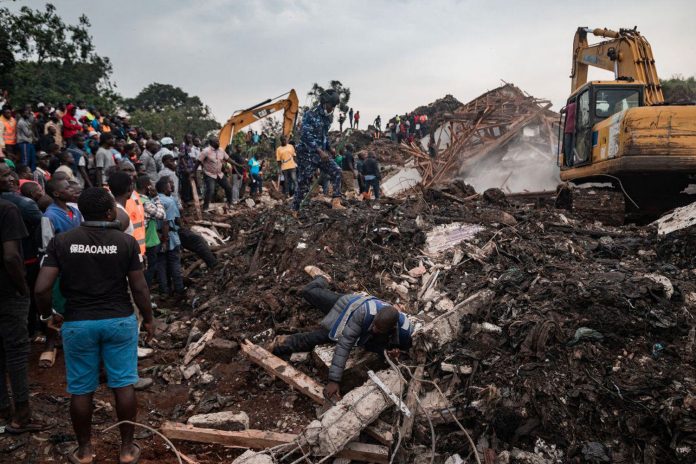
point(543, 337)
point(503, 139)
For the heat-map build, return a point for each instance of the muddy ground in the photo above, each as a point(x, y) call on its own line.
point(589, 359)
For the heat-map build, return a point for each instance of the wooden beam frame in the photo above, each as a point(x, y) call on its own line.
point(260, 439)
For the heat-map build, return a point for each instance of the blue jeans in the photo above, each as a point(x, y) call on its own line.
point(27, 154)
point(256, 184)
point(372, 182)
point(114, 342)
point(169, 268)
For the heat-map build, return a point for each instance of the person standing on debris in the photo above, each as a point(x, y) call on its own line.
point(154, 211)
point(186, 167)
point(371, 175)
point(104, 159)
point(357, 119)
point(378, 123)
point(312, 150)
point(147, 160)
point(349, 171)
point(350, 117)
point(169, 259)
point(211, 158)
point(238, 169)
point(169, 170)
point(98, 264)
point(285, 155)
point(14, 312)
point(341, 120)
point(350, 320)
point(255, 164)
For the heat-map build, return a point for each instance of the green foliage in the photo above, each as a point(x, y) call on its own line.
point(163, 108)
point(679, 89)
point(343, 94)
point(42, 58)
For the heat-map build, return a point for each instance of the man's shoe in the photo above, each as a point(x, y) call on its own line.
point(143, 383)
point(314, 271)
point(144, 352)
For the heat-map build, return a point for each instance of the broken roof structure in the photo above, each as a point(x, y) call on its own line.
point(505, 129)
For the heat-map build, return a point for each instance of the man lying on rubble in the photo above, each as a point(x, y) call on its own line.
point(350, 320)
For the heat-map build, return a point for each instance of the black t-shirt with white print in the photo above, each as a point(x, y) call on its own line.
point(94, 263)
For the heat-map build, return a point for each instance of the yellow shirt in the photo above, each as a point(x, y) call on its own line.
point(286, 157)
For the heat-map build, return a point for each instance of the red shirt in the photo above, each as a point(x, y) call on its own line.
point(70, 126)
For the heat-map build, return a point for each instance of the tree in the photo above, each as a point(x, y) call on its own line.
point(679, 89)
point(42, 58)
point(164, 108)
point(343, 94)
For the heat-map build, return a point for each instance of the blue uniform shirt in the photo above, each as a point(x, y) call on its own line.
point(61, 220)
point(315, 130)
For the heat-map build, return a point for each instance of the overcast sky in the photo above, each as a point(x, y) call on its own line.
point(394, 55)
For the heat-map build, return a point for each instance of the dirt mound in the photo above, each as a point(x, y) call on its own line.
point(439, 107)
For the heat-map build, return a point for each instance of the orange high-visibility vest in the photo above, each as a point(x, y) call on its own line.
point(136, 212)
point(10, 134)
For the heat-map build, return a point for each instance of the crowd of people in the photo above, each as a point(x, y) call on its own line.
point(407, 128)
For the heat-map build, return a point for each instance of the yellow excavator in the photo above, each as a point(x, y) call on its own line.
point(288, 102)
point(621, 131)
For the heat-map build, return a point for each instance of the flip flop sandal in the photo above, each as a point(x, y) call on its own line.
point(30, 427)
point(48, 358)
point(72, 457)
point(136, 456)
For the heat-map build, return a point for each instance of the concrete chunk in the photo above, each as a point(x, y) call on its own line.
point(226, 420)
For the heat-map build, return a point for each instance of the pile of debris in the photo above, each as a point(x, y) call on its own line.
point(543, 337)
point(504, 138)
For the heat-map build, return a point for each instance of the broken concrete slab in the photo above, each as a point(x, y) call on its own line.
point(446, 236)
point(221, 350)
point(404, 179)
point(253, 457)
point(446, 327)
point(355, 411)
point(679, 219)
point(225, 420)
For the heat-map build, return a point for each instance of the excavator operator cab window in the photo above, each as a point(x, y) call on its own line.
point(583, 130)
point(611, 101)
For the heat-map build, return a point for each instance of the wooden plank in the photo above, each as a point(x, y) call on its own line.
point(413, 392)
point(304, 384)
point(284, 371)
point(261, 439)
point(196, 201)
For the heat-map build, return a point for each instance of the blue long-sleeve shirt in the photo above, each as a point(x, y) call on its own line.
point(315, 130)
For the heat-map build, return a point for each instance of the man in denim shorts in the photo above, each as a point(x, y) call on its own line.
point(97, 264)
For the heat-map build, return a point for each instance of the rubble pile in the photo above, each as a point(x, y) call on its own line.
point(579, 349)
point(552, 339)
point(501, 139)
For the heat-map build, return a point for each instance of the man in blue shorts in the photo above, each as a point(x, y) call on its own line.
point(97, 264)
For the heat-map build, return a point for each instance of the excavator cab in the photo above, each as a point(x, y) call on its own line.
point(591, 104)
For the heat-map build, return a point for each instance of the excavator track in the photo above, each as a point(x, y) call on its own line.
point(604, 204)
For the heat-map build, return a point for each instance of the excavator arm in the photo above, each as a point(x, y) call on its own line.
point(241, 119)
point(627, 53)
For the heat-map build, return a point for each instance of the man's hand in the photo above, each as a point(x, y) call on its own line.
point(56, 322)
point(394, 354)
point(150, 329)
point(332, 392)
point(322, 154)
point(151, 191)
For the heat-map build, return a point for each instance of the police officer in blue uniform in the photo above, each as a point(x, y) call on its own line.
point(312, 150)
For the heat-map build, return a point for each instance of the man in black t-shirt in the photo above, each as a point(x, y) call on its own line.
point(14, 310)
point(97, 264)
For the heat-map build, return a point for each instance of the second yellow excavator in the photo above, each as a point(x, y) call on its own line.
point(622, 131)
point(240, 119)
